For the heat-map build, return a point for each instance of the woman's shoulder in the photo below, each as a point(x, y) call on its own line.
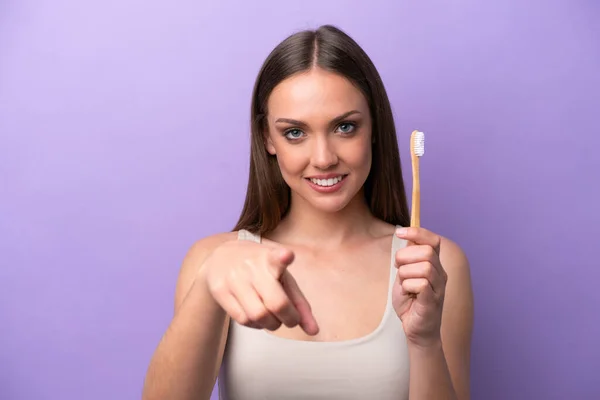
point(197, 253)
point(202, 247)
point(208, 243)
point(382, 231)
point(453, 256)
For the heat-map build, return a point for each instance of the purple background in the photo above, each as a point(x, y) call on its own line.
point(124, 137)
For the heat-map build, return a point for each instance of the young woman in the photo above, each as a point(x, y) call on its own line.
point(322, 291)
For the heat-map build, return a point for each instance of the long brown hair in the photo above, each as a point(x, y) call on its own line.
point(268, 196)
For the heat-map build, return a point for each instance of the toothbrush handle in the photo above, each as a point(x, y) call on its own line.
point(415, 217)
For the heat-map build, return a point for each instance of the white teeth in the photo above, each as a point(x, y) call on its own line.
point(327, 182)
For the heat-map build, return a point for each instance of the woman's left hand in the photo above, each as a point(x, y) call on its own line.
point(418, 294)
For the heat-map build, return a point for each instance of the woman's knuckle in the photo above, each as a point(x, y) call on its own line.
point(242, 319)
point(398, 257)
point(278, 305)
point(273, 325)
point(427, 269)
point(217, 287)
point(256, 315)
point(429, 252)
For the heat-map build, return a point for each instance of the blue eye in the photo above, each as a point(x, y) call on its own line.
point(293, 134)
point(347, 127)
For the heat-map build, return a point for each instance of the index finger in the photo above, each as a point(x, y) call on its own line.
point(420, 236)
point(308, 323)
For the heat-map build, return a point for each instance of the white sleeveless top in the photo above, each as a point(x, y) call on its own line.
point(260, 366)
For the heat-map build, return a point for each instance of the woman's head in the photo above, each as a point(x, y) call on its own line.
point(320, 112)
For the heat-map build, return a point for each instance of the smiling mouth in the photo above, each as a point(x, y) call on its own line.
point(327, 182)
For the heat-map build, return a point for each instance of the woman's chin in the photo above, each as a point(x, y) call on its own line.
point(332, 204)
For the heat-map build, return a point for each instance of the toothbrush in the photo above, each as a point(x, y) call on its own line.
point(417, 149)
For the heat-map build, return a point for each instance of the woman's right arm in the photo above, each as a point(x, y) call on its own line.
point(186, 362)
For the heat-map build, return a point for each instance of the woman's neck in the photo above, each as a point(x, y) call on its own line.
point(311, 226)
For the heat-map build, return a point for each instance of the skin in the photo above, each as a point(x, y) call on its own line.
point(322, 274)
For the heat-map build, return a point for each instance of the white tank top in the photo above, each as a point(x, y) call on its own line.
point(260, 366)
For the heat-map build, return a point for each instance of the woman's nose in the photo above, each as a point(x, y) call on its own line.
point(324, 155)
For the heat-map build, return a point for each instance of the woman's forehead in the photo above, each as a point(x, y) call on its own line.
point(315, 93)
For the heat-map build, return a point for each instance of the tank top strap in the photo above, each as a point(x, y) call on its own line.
point(397, 244)
point(244, 234)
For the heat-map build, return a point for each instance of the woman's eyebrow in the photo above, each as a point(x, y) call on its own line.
point(302, 124)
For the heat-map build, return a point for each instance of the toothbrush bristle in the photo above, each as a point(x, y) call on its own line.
point(419, 144)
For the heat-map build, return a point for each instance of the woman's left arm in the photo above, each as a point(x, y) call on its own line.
point(439, 356)
point(444, 367)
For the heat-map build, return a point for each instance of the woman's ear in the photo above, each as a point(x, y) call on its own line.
point(269, 144)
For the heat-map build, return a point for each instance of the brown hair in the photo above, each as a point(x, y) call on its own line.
point(268, 196)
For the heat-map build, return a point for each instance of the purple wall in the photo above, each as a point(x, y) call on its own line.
point(124, 137)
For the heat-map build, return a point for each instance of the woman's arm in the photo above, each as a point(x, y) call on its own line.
point(441, 371)
point(186, 362)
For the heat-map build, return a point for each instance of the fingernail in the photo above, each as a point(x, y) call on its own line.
point(401, 231)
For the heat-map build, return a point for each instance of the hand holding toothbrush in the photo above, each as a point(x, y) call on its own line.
point(418, 295)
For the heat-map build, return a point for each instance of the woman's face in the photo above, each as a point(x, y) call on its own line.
point(319, 127)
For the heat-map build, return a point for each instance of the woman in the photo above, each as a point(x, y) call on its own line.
point(316, 294)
